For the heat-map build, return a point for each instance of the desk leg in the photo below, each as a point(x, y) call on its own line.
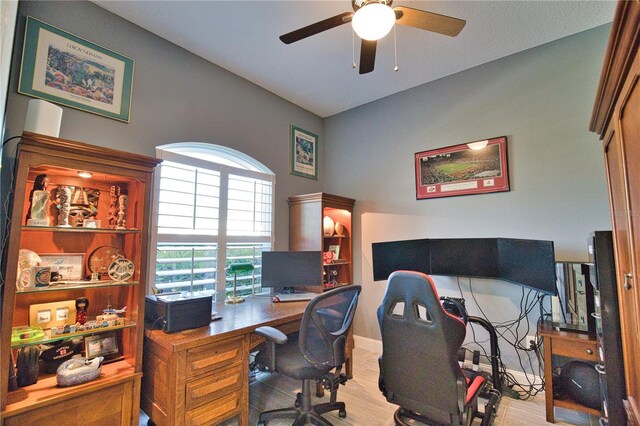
point(548, 379)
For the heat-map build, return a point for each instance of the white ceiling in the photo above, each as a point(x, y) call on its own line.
point(316, 73)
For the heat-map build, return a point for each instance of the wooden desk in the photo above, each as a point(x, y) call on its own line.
point(569, 344)
point(200, 376)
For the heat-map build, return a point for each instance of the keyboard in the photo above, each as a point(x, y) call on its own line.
point(294, 297)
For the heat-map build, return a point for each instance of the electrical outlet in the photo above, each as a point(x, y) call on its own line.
point(531, 340)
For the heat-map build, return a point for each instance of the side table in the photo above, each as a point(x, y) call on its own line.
point(570, 344)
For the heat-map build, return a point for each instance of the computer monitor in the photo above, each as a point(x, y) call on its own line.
point(408, 255)
point(291, 269)
point(528, 262)
point(467, 257)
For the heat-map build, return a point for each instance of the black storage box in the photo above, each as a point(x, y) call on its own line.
point(176, 312)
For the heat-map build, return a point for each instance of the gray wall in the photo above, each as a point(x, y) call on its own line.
point(541, 99)
point(177, 97)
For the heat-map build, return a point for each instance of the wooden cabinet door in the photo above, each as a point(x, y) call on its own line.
point(623, 250)
point(628, 131)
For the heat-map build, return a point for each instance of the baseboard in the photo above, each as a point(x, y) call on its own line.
point(368, 344)
point(375, 346)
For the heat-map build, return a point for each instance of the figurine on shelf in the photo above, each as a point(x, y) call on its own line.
point(123, 202)
point(83, 206)
point(82, 304)
point(112, 216)
point(63, 203)
point(39, 202)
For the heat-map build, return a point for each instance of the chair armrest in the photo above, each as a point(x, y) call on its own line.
point(273, 337)
point(272, 334)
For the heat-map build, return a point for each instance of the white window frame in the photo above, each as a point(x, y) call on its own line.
point(222, 239)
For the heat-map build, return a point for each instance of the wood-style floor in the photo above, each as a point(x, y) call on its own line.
point(367, 407)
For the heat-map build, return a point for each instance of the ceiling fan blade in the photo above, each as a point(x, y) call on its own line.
point(318, 27)
point(367, 55)
point(429, 21)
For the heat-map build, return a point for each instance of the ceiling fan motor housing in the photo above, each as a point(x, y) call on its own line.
point(357, 4)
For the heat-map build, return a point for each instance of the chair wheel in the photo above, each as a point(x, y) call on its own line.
point(342, 414)
point(261, 423)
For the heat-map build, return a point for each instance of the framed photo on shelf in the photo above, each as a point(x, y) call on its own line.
point(71, 71)
point(304, 153)
point(102, 344)
point(70, 265)
point(335, 249)
point(53, 314)
point(472, 168)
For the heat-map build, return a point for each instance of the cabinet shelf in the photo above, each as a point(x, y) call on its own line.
point(49, 339)
point(79, 230)
point(337, 263)
point(77, 285)
point(572, 405)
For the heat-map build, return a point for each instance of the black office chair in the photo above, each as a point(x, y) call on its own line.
point(312, 354)
point(419, 368)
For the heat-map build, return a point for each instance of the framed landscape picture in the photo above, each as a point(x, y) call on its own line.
point(304, 153)
point(68, 70)
point(472, 168)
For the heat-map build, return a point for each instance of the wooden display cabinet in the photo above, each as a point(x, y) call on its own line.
point(114, 396)
point(615, 119)
point(307, 215)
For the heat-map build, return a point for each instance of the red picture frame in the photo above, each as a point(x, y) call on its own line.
point(478, 167)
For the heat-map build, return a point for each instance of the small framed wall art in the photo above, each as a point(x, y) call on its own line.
point(303, 153)
point(68, 70)
point(471, 168)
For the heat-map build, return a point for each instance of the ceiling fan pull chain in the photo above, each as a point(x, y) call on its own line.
point(395, 50)
point(353, 49)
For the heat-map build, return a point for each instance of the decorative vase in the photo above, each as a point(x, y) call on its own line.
point(327, 226)
point(339, 229)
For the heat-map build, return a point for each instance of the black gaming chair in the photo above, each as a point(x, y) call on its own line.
point(312, 354)
point(419, 368)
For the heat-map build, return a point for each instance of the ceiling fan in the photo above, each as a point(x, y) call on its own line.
point(372, 20)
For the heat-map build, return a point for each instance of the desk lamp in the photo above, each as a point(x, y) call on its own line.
point(235, 268)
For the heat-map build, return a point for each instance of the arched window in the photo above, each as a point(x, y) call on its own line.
point(213, 208)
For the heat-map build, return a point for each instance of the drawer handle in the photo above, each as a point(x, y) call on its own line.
point(627, 280)
point(595, 315)
point(590, 351)
point(599, 368)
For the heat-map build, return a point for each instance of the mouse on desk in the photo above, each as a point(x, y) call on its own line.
point(276, 299)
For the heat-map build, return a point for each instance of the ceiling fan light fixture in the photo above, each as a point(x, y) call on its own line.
point(373, 21)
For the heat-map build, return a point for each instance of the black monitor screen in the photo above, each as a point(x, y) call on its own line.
point(291, 269)
point(468, 257)
point(528, 262)
point(409, 255)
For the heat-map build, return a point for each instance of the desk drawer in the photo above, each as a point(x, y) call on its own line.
point(210, 357)
point(215, 411)
point(213, 386)
point(587, 351)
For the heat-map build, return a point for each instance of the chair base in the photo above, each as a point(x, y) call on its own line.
point(301, 417)
point(303, 412)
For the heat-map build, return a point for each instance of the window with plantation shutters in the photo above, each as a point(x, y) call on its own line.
point(214, 207)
